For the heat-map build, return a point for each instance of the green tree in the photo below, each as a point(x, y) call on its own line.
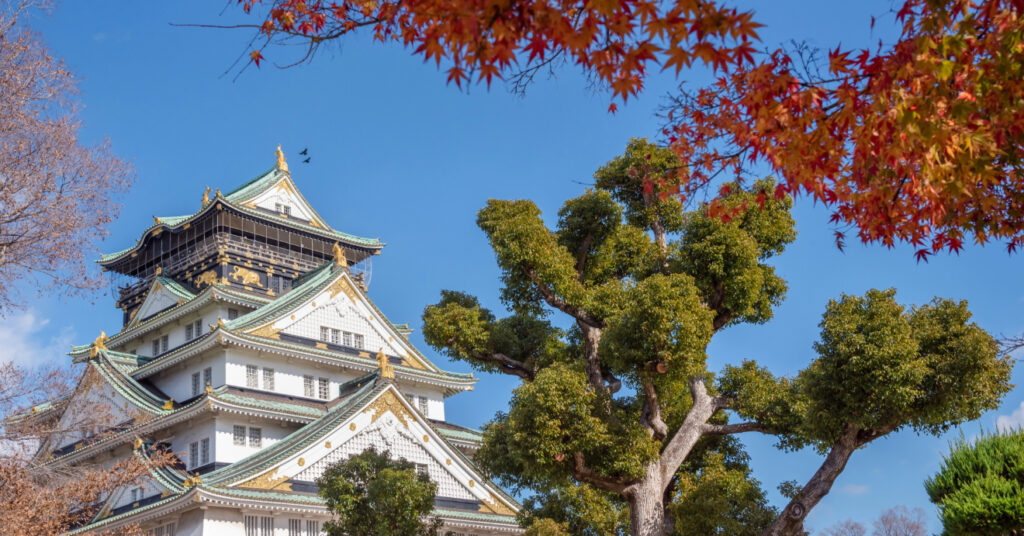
point(980, 487)
point(373, 495)
point(645, 285)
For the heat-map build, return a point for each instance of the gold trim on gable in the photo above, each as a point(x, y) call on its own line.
point(268, 480)
point(267, 332)
point(389, 402)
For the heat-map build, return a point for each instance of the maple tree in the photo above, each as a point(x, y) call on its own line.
point(645, 286)
point(45, 499)
point(916, 141)
point(56, 194)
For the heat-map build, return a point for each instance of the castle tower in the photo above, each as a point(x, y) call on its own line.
point(250, 349)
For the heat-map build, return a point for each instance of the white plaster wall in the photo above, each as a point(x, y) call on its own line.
point(149, 487)
point(175, 330)
point(228, 452)
point(176, 381)
point(435, 400)
point(191, 523)
point(194, 430)
point(280, 194)
point(222, 522)
point(288, 374)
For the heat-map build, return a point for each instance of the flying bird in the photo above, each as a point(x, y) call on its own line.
point(306, 161)
point(304, 151)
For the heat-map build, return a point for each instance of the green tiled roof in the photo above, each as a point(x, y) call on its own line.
point(237, 398)
point(176, 288)
point(127, 386)
point(309, 285)
point(297, 440)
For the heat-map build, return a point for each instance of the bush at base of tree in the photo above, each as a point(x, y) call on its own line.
point(373, 495)
point(980, 487)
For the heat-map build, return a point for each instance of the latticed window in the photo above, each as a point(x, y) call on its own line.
point(259, 526)
point(204, 451)
point(238, 435)
point(232, 314)
point(347, 341)
point(193, 455)
point(325, 334)
point(207, 376)
point(252, 379)
point(163, 343)
point(256, 437)
point(423, 405)
point(422, 469)
point(188, 332)
point(195, 384)
point(323, 385)
point(358, 341)
point(307, 386)
point(335, 336)
point(268, 379)
point(294, 527)
point(156, 347)
point(312, 528)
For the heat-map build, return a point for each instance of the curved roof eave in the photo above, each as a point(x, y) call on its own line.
point(178, 221)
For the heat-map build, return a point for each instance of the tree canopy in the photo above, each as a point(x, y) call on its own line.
point(622, 399)
point(979, 488)
point(373, 495)
point(916, 140)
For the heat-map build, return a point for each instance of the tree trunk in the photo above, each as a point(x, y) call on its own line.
point(791, 521)
point(646, 505)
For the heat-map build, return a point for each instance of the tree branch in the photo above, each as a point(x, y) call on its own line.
point(704, 406)
point(650, 416)
point(738, 428)
point(583, 473)
point(558, 303)
point(508, 365)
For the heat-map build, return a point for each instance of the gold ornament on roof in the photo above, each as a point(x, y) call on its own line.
point(384, 365)
point(209, 388)
point(169, 404)
point(137, 444)
point(281, 164)
point(156, 220)
point(99, 344)
point(206, 196)
point(339, 255)
point(217, 193)
point(159, 270)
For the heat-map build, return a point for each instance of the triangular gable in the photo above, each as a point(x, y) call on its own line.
point(284, 194)
point(163, 294)
point(385, 420)
point(333, 300)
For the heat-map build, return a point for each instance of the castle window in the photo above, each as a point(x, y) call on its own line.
point(163, 343)
point(256, 437)
point(307, 386)
point(232, 314)
point(294, 527)
point(208, 376)
point(347, 339)
point(204, 450)
point(422, 469)
point(259, 526)
point(268, 379)
point(358, 341)
point(193, 455)
point(196, 388)
point(312, 527)
point(252, 379)
point(283, 209)
point(325, 334)
point(323, 386)
point(156, 347)
point(238, 436)
point(193, 330)
point(423, 405)
point(188, 332)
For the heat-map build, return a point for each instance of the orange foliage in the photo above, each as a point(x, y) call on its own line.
point(920, 141)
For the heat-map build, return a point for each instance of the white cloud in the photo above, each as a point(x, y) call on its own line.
point(23, 342)
point(855, 489)
point(1012, 421)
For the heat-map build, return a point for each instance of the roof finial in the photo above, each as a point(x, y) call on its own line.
point(206, 196)
point(384, 365)
point(98, 344)
point(281, 164)
point(339, 255)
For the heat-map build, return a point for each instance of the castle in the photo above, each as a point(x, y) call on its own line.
point(250, 350)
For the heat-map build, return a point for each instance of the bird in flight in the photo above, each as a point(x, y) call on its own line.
point(304, 151)
point(306, 161)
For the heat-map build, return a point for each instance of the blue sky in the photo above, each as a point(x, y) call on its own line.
point(399, 155)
